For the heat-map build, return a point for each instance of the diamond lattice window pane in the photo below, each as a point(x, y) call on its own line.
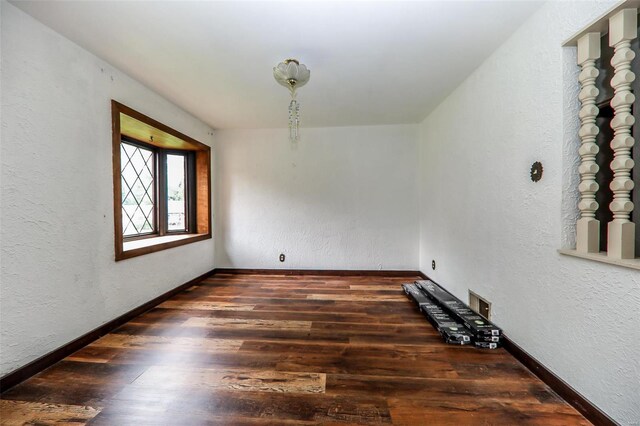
point(138, 196)
point(128, 173)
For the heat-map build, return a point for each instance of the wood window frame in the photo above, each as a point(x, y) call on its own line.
point(138, 128)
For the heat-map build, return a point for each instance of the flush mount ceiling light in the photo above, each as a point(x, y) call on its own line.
point(292, 74)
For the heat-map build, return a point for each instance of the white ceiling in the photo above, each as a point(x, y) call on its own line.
point(371, 62)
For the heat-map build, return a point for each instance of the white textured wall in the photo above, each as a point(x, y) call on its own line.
point(344, 198)
point(492, 230)
point(58, 276)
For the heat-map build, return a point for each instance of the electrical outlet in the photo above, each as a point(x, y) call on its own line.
point(433, 265)
point(281, 257)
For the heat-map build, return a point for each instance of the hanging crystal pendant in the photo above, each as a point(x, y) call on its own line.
point(292, 75)
point(294, 121)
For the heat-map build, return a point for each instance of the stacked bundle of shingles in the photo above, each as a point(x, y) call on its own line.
point(457, 323)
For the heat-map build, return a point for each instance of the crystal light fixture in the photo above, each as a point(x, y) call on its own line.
point(292, 75)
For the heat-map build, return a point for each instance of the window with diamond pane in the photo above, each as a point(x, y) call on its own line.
point(161, 182)
point(138, 197)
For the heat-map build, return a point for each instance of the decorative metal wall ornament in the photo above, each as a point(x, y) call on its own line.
point(536, 171)
point(292, 75)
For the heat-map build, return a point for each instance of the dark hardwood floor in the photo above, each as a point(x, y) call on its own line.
point(275, 349)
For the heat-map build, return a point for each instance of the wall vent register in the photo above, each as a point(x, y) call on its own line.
point(480, 305)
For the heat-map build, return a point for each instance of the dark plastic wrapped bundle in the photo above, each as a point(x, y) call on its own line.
point(478, 325)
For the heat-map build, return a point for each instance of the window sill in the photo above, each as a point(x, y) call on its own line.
point(602, 257)
point(150, 245)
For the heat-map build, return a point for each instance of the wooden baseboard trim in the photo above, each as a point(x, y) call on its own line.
point(423, 275)
point(45, 361)
point(327, 272)
point(559, 386)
